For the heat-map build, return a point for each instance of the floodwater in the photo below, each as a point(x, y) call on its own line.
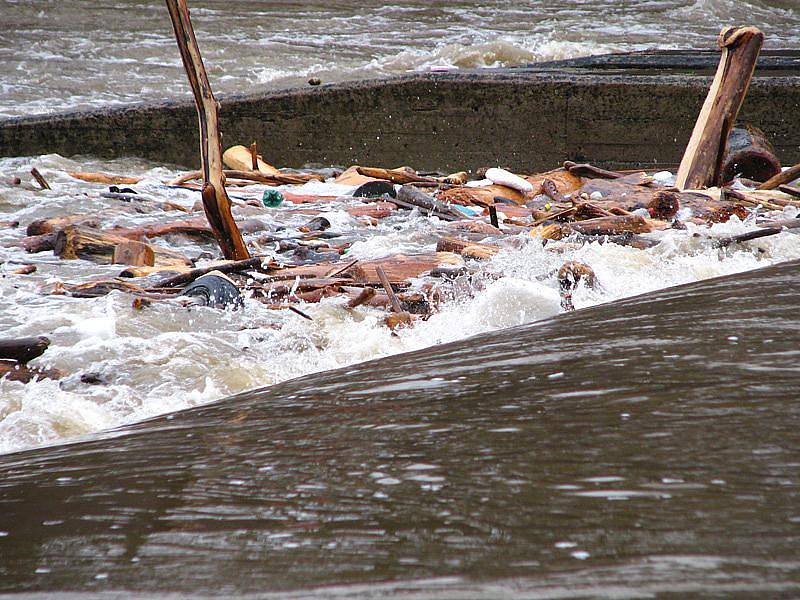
point(167, 357)
point(75, 54)
point(643, 446)
point(637, 449)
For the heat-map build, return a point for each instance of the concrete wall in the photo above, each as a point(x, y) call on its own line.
point(527, 119)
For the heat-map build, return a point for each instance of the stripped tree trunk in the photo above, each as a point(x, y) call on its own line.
point(216, 203)
point(702, 161)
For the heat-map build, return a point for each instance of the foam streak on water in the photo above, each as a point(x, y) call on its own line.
point(72, 54)
point(167, 357)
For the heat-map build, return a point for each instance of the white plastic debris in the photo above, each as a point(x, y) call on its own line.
point(503, 177)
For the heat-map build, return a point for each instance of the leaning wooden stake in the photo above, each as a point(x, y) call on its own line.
point(702, 161)
point(216, 203)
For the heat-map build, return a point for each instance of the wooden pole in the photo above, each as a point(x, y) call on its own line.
point(702, 160)
point(216, 203)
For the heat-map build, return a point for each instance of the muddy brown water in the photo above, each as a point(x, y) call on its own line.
point(643, 448)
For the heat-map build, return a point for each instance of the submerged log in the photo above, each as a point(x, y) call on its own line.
point(23, 350)
point(13, 371)
point(749, 154)
point(702, 161)
point(216, 203)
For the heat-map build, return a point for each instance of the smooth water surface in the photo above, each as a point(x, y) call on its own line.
point(641, 447)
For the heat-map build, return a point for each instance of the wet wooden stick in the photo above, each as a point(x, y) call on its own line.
point(702, 161)
point(396, 307)
point(493, 216)
point(587, 170)
point(232, 267)
point(40, 179)
point(216, 203)
point(781, 178)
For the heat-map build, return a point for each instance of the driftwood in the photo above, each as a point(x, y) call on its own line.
point(746, 237)
point(53, 224)
point(781, 178)
point(38, 243)
point(14, 371)
point(133, 253)
point(98, 246)
point(749, 154)
point(254, 176)
point(400, 267)
point(587, 170)
point(23, 350)
point(702, 161)
point(105, 178)
point(254, 262)
point(411, 197)
point(389, 291)
point(216, 203)
point(40, 179)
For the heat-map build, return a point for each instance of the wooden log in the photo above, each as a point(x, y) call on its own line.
point(749, 154)
point(702, 161)
point(216, 203)
point(401, 175)
point(13, 371)
point(23, 350)
point(787, 176)
point(411, 196)
point(133, 253)
point(74, 242)
point(105, 178)
point(24, 270)
point(38, 243)
point(43, 226)
point(466, 248)
point(400, 267)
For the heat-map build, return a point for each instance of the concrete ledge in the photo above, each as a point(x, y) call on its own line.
point(526, 119)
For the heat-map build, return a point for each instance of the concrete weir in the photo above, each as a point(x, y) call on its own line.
point(627, 110)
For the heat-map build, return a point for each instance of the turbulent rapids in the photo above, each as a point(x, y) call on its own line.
point(123, 364)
